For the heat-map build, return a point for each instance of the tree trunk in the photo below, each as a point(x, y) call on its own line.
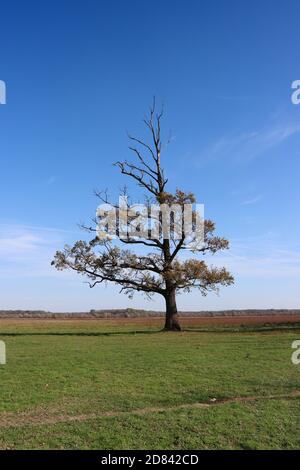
point(171, 323)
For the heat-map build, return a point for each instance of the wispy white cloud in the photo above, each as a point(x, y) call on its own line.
point(263, 256)
point(19, 245)
point(249, 145)
point(27, 251)
point(20, 228)
point(251, 201)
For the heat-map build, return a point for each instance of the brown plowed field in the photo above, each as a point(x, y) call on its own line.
point(241, 320)
point(158, 321)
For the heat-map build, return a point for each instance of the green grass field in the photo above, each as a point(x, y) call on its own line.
point(87, 385)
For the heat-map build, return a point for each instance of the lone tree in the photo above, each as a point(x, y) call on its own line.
point(159, 271)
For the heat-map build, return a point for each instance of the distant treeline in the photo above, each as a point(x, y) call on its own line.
point(135, 313)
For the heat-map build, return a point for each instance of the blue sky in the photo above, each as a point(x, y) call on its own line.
point(80, 74)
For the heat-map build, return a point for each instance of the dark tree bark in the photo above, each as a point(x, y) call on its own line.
point(171, 322)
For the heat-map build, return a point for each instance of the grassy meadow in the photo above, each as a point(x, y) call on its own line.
point(88, 384)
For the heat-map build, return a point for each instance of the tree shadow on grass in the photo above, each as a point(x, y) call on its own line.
point(82, 333)
point(242, 329)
